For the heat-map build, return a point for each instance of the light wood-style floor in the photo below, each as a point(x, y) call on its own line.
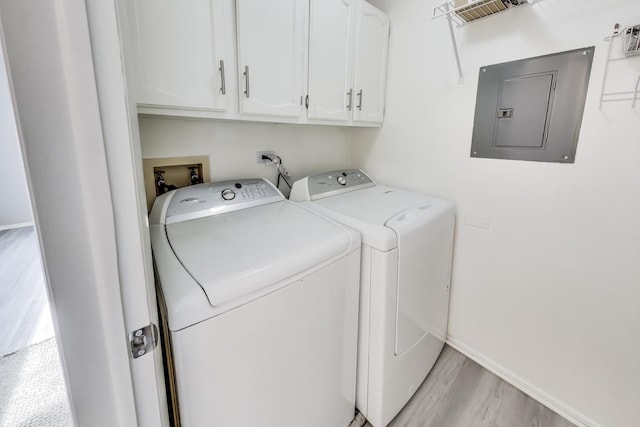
point(25, 318)
point(460, 393)
point(457, 393)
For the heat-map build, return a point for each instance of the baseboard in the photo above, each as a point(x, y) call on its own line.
point(9, 227)
point(534, 392)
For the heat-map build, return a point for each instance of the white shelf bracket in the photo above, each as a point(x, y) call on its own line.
point(635, 93)
point(455, 45)
point(606, 67)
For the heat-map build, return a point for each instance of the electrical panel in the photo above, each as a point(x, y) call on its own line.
point(531, 109)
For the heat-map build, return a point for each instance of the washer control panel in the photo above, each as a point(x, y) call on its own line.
point(338, 181)
point(214, 198)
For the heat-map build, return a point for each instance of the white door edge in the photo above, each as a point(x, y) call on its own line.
point(108, 28)
point(66, 149)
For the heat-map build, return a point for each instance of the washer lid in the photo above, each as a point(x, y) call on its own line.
point(238, 253)
point(368, 210)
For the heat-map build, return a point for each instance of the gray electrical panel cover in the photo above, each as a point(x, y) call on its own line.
point(531, 109)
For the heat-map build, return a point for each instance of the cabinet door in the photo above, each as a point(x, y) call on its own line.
point(371, 65)
point(271, 37)
point(179, 48)
point(331, 44)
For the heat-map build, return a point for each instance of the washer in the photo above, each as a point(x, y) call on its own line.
point(260, 298)
point(407, 241)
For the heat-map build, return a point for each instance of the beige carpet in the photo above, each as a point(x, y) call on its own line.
point(32, 388)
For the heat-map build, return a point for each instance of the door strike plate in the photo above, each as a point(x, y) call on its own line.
point(143, 340)
point(505, 113)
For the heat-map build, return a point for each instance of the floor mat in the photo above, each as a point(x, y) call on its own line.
point(32, 388)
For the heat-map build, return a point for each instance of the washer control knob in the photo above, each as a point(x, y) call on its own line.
point(228, 194)
point(342, 180)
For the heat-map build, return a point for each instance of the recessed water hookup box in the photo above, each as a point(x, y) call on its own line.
point(174, 171)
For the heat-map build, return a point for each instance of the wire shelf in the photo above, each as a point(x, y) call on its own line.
point(630, 37)
point(461, 12)
point(631, 40)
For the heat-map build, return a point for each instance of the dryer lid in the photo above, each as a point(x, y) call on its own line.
point(235, 254)
point(368, 210)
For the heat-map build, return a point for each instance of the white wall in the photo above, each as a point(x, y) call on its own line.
point(549, 295)
point(232, 146)
point(15, 205)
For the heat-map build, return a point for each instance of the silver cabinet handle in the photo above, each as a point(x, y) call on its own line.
point(350, 95)
point(246, 81)
point(360, 100)
point(223, 85)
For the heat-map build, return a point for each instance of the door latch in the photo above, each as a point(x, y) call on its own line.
point(143, 340)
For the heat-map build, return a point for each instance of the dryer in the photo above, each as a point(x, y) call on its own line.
point(260, 298)
point(407, 241)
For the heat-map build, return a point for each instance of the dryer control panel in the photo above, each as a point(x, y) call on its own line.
point(214, 198)
point(329, 184)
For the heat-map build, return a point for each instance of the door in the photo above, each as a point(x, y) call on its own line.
point(271, 39)
point(77, 133)
point(331, 45)
point(181, 51)
point(524, 110)
point(371, 65)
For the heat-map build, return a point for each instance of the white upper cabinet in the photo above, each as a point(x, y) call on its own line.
point(262, 60)
point(331, 59)
point(271, 39)
point(347, 61)
point(181, 50)
point(371, 65)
